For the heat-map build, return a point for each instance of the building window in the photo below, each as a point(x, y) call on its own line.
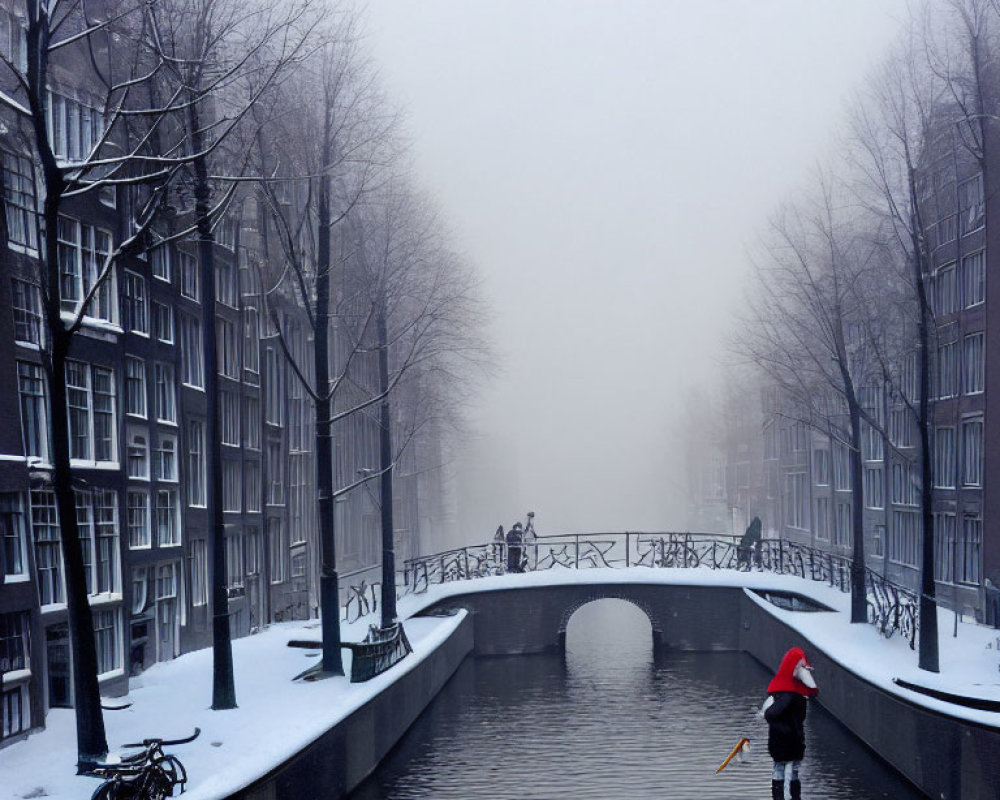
point(74, 128)
point(226, 283)
point(26, 302)
point(190, 285)
point(972, 452)
point(163, 322)
point(797, 499)
point(947, 371)
point(84, 253)
point(842, 526)
point(34, 414)
point(159, 260)
point(138, 455)
point(841, 467)
point(273, 389)
point(944, 458)
point(166, 581)
point(13, 541)
point(165, 395)
point(192, 355)
point(226, 348)
point(878, 541)
point(136, 318)
point(968, 560)
point(275, 475)
point(900, 427)
point(871, 443)
point(947, 230)
point(974, 279)
point(106, 528)
point(168, 529)
point(277, 543)
point(232, 489)
point(15, 653)
point(97, 520)
point(971, 208)
point(15, 710)
point(973, 363)
point(821, 522)
point(251, 425)
point(251, 342)
point(19, 197)
point(48, 557)
point(229, 410)
point(904, 542)
point(196, 463)
point(135, 387)
point(137, 513)
point(905, 485)
point(165, 464)
point(945, 543)
point(107, 638)
point(251, 480)
point(874, 488)
point(198, 560)
point(90, 400)
point(235, 559)
point(946, 290)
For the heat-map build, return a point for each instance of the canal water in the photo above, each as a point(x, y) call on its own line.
point(610, 721)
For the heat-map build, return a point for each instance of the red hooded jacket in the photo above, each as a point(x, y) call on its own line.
point(785, 680)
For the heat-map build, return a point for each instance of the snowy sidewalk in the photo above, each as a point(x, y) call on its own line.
point(276, 717)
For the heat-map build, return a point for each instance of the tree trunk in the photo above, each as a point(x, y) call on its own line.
point(91, 739)
point(385, 467)
point(859, 596)
point(223, 685)
point(329, 584)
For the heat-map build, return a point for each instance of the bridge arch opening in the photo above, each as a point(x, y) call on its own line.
point(601, 624)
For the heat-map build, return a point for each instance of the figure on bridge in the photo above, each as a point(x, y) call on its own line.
point(748, 550)
point(515, 539)
point(785, 712)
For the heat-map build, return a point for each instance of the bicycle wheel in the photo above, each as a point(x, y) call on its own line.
point(158, 784)
point(106, 791)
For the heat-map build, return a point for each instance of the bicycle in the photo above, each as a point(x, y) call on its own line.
point(149, 774)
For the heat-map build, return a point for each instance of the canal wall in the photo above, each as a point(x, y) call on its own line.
point(339, 760)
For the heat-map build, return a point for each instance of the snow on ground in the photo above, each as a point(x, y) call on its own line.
point(277, 717)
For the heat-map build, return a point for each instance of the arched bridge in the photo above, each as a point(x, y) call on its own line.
point(539, 620)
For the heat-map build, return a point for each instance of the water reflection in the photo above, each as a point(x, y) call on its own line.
point(613, 720)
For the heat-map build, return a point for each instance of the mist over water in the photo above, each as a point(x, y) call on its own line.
point(605, 166)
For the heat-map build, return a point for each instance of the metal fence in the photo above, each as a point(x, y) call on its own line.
point(891, 608)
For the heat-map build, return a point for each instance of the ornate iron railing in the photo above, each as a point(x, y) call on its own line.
point(891, 608)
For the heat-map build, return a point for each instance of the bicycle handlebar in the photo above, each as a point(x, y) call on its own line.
point(167, 742)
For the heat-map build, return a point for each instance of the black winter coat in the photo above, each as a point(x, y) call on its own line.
point(786, 740)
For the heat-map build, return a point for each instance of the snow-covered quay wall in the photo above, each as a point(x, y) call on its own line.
point(340, 759)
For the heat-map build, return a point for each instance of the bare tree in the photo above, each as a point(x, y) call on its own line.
point(220, 57)
point(805, 331)
point(896, 133)
point(330, 140)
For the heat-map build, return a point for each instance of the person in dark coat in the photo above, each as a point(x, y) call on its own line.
point(785, 712)
point(515, 537)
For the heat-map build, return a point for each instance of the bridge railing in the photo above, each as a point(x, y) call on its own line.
point(891, 608)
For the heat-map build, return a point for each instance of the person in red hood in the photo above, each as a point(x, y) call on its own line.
point(785, 712)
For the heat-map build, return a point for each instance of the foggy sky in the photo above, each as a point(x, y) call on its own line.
point(604, 165)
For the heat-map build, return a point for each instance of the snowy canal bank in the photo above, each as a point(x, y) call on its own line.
point(950, 750)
